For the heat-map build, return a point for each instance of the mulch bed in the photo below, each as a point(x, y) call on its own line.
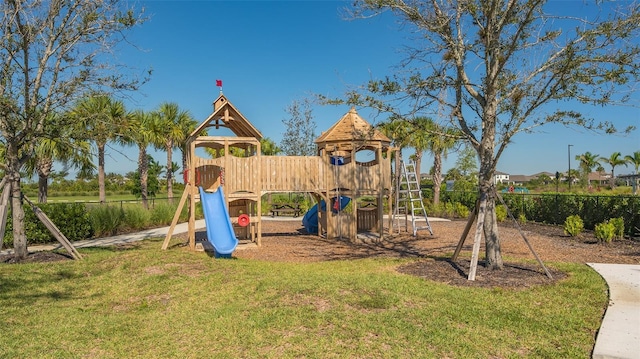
point(286, 241)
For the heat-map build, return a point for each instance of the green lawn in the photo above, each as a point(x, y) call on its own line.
point(147, 303)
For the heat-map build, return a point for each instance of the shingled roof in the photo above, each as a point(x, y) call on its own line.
point(226, 115)
point(352, 127)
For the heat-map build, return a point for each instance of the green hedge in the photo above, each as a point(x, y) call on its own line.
point(71, 218)
point(554, 208)
point(78, 221)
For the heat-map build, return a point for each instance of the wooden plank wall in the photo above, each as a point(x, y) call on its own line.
point(240, 174)
point(289, 173)
point(292, 173)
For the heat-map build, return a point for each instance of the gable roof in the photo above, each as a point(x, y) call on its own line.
point(352, 127)
point(226, 115)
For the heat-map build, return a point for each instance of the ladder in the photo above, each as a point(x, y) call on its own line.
point(409, 199)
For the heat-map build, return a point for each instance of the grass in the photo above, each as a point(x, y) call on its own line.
point(148, 303)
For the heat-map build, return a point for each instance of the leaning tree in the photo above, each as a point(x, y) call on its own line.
point(496, 68)
point(52, 52)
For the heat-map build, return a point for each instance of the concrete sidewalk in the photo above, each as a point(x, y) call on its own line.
point(123, 238)
point(619, 334)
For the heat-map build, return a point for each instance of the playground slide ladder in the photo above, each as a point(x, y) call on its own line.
point(409, 198)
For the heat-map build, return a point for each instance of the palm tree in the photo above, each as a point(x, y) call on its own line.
point(420, 140)
point(398, 131)
point(49, 150)
point(635, 161)
point(171, 128)
point(101, 119)
point(59, 145)
point(441, 140)
point(140, 133)
point(613, 161)
point(588, 162)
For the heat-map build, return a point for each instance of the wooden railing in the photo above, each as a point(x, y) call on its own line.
point(289, 174)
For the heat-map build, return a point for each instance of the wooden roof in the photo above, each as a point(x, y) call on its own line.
point(352, 127)
point(226, 115)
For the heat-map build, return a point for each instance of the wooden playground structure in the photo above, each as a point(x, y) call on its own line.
point(246, 175)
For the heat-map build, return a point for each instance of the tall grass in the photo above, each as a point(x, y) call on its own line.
point(137, 217)
point(106, 220)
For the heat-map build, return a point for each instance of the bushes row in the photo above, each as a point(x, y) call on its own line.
point(606, 231)
point(555, 208)
point(77, 221)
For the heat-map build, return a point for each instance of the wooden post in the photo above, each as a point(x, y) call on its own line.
point(54, 230)
point(4, 207)
point(482, 209)
point(546, 271)
point(176, 217)
point(192, 197)
point(258, 191)
point(467, 228)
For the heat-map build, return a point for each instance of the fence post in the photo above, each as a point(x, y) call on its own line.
point(557, 216)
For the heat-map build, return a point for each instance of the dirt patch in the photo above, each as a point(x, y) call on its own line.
point(287, 242)
point(35, 257)
point(513, 275)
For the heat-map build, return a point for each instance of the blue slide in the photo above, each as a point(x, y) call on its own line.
point(220, 231)
point(310, 219)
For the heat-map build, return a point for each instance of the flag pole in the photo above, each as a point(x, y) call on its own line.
point(219, 84)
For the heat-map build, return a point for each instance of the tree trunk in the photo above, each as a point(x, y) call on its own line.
point(492, 239)
point(437, 175)
point(101, 191)
point(486, 183)
point(143, 167)
point(418, 156)
point(184, 166)
point(43, 188)
point(612, 180)
point(44, 170)
point(170, 173)
point(17, 210)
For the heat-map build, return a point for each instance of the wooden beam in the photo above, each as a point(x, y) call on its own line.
point(54, 230)
point(4, 207)
point(465, 232)
point(482, 210)
point(546, 271)
point(176, 217)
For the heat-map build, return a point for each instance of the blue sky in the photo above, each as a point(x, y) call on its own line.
point(270, 53)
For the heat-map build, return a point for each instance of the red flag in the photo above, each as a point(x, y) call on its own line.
point(219, 83)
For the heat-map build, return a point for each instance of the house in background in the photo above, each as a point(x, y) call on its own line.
point(519, 179)
point(500, 177)
point(599, 178)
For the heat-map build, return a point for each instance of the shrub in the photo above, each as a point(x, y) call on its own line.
point(106, 220)
point(70, 218)
point(449, 209)
point(462, 211)
point(522, 218)
point(618, 225)
point(136, 218)
point(162, 214)
point(501, 213)
point(573, 225)
point(605, 231)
